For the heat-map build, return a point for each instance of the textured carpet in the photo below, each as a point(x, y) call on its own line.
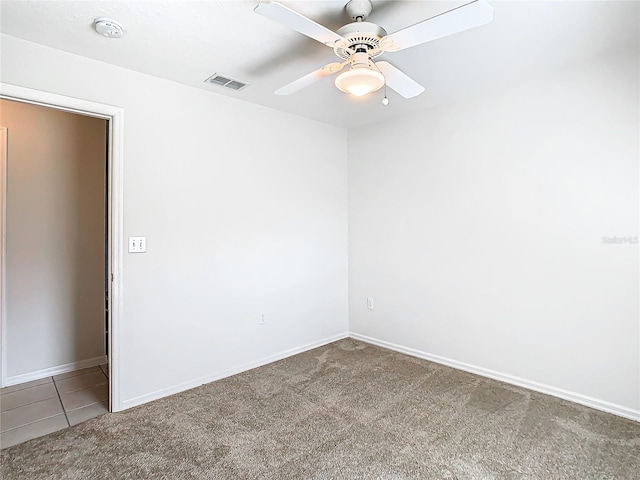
point(344, 411)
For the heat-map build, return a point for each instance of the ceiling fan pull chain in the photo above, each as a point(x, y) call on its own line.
point(385, 99)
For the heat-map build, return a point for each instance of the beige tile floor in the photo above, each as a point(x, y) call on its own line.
point(37, 408)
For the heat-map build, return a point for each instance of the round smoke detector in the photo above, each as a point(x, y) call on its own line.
point(108, 28)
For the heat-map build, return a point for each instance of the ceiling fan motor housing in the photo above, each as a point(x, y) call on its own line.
point(360, 35)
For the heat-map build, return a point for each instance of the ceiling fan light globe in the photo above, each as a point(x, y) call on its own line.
point(359, 81)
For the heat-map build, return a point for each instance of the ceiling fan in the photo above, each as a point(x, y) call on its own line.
point(358, 43)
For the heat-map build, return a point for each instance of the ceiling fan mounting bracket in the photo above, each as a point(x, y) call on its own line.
point(359, 10)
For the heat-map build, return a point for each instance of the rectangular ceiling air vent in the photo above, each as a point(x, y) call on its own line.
point(225, 82)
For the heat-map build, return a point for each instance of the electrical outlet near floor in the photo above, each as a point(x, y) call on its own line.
point(262, 320)
point(370, 303)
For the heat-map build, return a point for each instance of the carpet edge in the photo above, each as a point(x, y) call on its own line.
point(602, 405)
point(181, 387)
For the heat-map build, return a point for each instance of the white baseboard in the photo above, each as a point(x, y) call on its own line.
point(50, 372)
point(134, 402)
point(503, 377)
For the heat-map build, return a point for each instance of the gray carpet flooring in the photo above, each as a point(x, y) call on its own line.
point(347, 410)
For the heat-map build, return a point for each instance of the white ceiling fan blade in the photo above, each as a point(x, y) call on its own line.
point(292, 19)
point(310, 78)
point(471, 15)
point(399, 81)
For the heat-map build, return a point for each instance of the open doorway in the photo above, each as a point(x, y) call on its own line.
point(94, 291)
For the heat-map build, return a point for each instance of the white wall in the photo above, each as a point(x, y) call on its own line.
point(245, 210)
point(55, 238)
point(477, 229)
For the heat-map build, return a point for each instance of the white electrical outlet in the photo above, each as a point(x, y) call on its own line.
point(137, 244)
point(262, 319)
point(370, 303)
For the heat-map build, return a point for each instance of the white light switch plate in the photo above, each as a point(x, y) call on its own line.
point(137, 244)
point(370, 303)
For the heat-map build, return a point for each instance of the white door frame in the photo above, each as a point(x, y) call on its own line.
point(115, 115)
point(3, 210)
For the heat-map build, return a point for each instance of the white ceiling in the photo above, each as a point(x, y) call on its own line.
point(187, 41)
